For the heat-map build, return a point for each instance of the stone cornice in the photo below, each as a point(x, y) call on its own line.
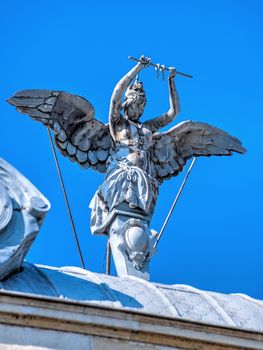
point(76, 317)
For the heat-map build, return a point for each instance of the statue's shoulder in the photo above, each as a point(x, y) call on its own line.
point(121, 124)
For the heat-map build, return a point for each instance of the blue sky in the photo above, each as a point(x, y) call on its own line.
point(214, 238)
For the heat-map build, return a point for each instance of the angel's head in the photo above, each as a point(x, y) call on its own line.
point(134, 101)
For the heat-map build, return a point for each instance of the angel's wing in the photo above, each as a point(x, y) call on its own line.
point(78, 134)
point(171, 150)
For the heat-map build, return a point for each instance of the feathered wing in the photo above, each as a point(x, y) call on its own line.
point(78, 134)
point(171, 150)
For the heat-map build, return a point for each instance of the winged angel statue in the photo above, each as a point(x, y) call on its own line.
point(135, 157)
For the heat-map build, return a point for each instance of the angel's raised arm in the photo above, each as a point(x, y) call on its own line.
point(116, 98)
point(166, 118)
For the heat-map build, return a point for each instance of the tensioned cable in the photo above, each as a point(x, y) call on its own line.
point(66, 198)
point(108, 258)
point(174, 203)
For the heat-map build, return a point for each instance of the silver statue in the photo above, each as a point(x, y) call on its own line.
point(135, 157)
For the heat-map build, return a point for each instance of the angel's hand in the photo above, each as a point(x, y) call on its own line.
point(172, 71)
point(145, 61)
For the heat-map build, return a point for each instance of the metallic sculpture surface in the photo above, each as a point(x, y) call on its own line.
point(22, 210)
point(135, 157)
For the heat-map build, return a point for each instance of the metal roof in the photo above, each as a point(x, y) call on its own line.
point(131, 293)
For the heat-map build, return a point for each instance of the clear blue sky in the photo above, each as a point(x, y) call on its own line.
point(214, 239)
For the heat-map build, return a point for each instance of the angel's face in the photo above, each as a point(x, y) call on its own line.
point(135, 101)
point(135, 109)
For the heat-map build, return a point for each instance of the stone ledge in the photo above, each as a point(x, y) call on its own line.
point(17, 309)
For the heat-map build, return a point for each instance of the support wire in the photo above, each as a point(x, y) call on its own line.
point(66, 198)
point(108, 258)
point(174, 203)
